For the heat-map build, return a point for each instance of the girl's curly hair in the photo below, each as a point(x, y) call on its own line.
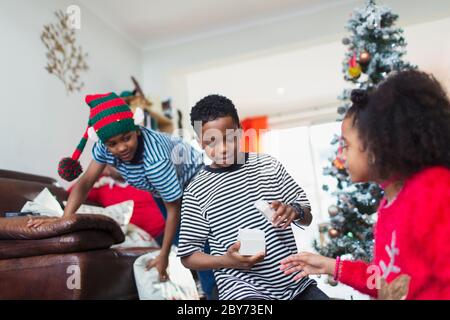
point(404, 123)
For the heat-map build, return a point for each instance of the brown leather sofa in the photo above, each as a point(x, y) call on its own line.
point(65, 259)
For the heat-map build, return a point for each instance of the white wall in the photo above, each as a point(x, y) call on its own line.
point(310, 77)
point(429, 48)
point(39, 122)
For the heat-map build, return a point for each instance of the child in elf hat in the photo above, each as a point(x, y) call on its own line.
point(398, 136)
point(146, 159)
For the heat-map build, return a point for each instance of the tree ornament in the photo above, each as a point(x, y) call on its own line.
point(333, 210)
point(333, 233)
point(364, 58)
point(352, 62)
point(354, 69)
point(345, 41)
point(355, 72)
point(339, 164)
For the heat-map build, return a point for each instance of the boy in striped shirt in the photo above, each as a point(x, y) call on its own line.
point(146, 159)
point(220, 200)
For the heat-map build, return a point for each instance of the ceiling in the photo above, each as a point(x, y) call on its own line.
point(152, 23)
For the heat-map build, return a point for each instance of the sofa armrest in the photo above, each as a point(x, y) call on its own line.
point(72, 242)
point(16, 228)
point(16, 175)
point(104, 274)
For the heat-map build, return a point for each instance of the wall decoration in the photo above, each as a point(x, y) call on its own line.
point(65, 59)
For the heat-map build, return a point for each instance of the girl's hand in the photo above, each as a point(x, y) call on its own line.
point(232, 259)
point(307, 263)
point(284, 214)
point(160, 263)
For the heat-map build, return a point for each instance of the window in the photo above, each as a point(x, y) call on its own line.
point(305, 151)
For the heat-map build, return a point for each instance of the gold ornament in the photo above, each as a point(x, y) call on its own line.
point(355, 71)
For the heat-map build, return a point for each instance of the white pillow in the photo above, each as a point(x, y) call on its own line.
point(121, 212)
point(45, 204)
point(137, 238)
point(180, 286)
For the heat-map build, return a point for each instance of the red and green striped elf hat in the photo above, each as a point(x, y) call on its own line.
point(110, 115)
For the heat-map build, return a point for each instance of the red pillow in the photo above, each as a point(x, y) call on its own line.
point(146, 213)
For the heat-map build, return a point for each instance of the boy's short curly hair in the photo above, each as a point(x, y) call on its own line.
point(404, 123)
point(212, 107)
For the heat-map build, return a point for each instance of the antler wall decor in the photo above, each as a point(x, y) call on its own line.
point(64, 58)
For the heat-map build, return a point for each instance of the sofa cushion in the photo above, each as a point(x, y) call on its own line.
point(16, 228)
point(72, 242)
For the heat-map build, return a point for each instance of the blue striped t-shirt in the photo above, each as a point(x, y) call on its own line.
point(166, 166)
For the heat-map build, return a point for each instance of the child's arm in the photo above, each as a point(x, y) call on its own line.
point(82, 187)
point(356, 274)
point(163, 176)
point(161, 262)
point(232, 259)
point(78, 194)
point(294, 205)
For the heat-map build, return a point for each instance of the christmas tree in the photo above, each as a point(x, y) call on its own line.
point(375, 48)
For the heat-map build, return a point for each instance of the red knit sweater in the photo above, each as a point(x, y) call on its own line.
point(415, 229)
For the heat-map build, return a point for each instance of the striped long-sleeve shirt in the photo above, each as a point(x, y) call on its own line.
point(217, 202)
point(166, 164)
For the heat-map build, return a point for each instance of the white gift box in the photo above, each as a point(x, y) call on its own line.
point(264, 207)
point(253, 241)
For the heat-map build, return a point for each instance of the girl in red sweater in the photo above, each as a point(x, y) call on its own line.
point(398, 136)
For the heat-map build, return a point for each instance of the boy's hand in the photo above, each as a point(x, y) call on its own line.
point(40, 221)
point(160, 263)
point(307, 263)
point(234, 260)
point(284, 214)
